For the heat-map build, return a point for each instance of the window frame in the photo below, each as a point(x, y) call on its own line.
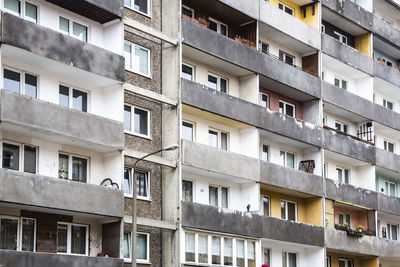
point(132, 173)
point(23, 10)
point(269, 205)
point(219, 23)
point(343, 174)
point(262, 152)
point(71, 21)
point(286, 54)
point(132, 68)
point(260, 100)
point(286, 209)
point(389, 232)
point(322, 28)
point(193, 130)
point(21, 155)
point(286, 252)
point(342, 125)
point(19, 220)
point(129, 247)
point(147, 260)
point(22, 73)
point(70, 96)
point(344, 218)
point(284, 108)
point(149, 9)
point(130, 182)
point(133, 107)
point(341, 37)
point(189, 8)
point(219, 190)
point(193, 71)
point(341, 80)
point(70, 156)
point(386, 144)
point(286, 6)
point(346, 261)
point(69, 235)
point(388, 183)
point(385, 104)
point(193, 188)
point(219, 143)
point(219, 78)
point(285, 158)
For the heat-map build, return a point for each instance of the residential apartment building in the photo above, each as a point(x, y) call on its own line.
point(285, 112)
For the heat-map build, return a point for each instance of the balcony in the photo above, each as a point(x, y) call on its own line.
point(389, 248)
point(386, 31)
point(101, 11)
point(221, 104)
point(384, 72)
point(388, 204)
point(32, 259)
point(22, 114)
point(56, 194)
point(236, 53)
point(387, 160)
point(64, 49)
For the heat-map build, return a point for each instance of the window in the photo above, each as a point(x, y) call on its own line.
point(203, 248)
point(141, 6)
point(345, 262)
point(73, 29)
point(187, 190)
point(344, 218)
point(392, 231)
point(187, 131)
point(288, 210)
point(187, 72)
point(322, 28)
point(19, 157)
point(126, 250)
point(390, 189)
point(137, 59)
point(72, 167)
point(340, 37)
point(142, 247)
point(388, 146)
point(142, 184)
point(217, 83)
point(325, 170)
point(216, 250)
point(289, 259)
point(287, 159)
point(343, 175)
point(78, 101)
point(127, 182)
point(189, 247)
point(140, 121)
point(287, 109)
point(287, 58)
point(251, 254)
point(324, 120)
point(266, 205)
point(218, 139)
point(228, 252)
point(340, 83)
point(22, 9)
point(267, 256)
point(18, 234)
point(264, 100)
point(187, 11)
point(342, 127)
point(72, 238)
point(240, 253)
point(218, 196)
point(264, 152)
point(328, 261)
point(218, 26)
point(323, 75)
point(388, 104)
point(286, 8)
point(20, 82)
point(264, 47)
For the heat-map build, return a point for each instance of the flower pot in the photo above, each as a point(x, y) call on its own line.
point(186, 17)
point(101, 254)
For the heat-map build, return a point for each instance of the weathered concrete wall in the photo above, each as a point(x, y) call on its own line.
point(154, 18)
point(351, 194)
point(347, 54)
point(31, 259)
point(57, 46)
point(389, 248)
point(250, 7)
point(41, 191)
point(30, 113)
point(386, 73)
point(388, 204)
point(278, 175)
point(386, 31)
point(236, 53)
point(387, 160)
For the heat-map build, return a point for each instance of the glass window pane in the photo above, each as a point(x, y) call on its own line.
point(141, 60)
point(213, 138)
point(392, 190)
point(337, 82)
point(348, 218)
point(266, 206)
point(344, 85)
point(224, 30)
point(12, 81)
point(251, 256)
point(283, 209)
point(282, 158)
point(128, 56)
point(346, 176)
point(187, 190)
point(29, 159)
point(64, 24)
point(127, 182)
point(8, 234)
point(63, 166)
point(290, 110)
point(224, 197)
point(224, 85)
point(127, 246)
point(140, 121)
point(187, 12)
point(128, 3)
point(128, 118)
point(264, 153)
point(78, 239)
point(290, 160)
point(187, 72)
point(79, 169)
point(224, 141)
point(339, 174)
point(30, 85)
point(203, 248)
point(62, 235)
point(141, 5)
point(342, 263)
point(212, 82)
point(394, 232)
point(142, 184)
point(240, 253)
point(292, 259)
point(10, 156)
point(187, 131)
point(189, 247)
point(79, 31)
point(291, 211)
point(63, 96)
point(264, 100)
point(341, 219)
point(228, 253)
point(213, 195)
point(213, 26)
point(13, 5)
point(216, 250)
point(28, 235)
point(267, 257)
point(141, 247)
point(79, 100)
point(281, 107)
point(31, 12)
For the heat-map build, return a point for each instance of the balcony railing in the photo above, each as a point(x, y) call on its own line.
point(386, 63)
point(359, 133)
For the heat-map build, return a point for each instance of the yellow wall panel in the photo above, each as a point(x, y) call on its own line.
point(310, 19)
point(329, 213)
point(313, 209)
point(363, 44)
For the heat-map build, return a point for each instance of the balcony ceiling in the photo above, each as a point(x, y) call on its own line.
point(341, 68)
point(341, 22)
point(284, 191)
point(386, 88)
point(214, 175)
point(342, 159)
point(386, 131)
point(342, 113)
point(386, 172)
point(389, 7)
point(386, 48)
point(284, 140)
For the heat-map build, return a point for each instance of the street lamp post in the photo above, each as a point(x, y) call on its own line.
point(134, 195)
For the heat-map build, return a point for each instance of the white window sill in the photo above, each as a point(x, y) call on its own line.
point(138, 73)
point(138, 135)
point(138, 261)
point(140, 12)
point(139, 198)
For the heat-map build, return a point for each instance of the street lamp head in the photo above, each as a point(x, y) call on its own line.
point(171, 147)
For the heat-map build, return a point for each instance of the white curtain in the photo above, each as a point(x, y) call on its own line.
point(203, 244)
point(189, 242)
point(227, 247)
point(250, 250)
point(216, 246)
point(240, 249)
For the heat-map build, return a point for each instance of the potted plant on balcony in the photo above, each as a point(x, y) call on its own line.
point(204, 22)
point(342, 227)
point(358, 231)
point(101, 254)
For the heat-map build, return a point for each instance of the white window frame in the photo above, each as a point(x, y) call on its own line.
point(287, 257)
point(149, 9)
point(324, 120)
point(346, 261)
point(193, 71)
point(286, 208)
point(285, 158)
point(342, 124)
point(21, 154)
point(285, 54)
point(132, 67)
point(260, 101)
point(389, 233)
point(341, 80)
point(220, 194)
point(71, 29)
point(189, 8)
point(322, 28)
point(193, 127)
point(262, 152)
point(388, 186)
point(385, 104)
point(22, 79)
point(219, 78)
point(20, 230)
point(130, 181)
point(219, 143)
point(147, 260)
point(342, 38)
point(129, 248)
point(70, 155)
point(286, 6)
point(193, 187)
point(344, 174)
point(23, 9)
point(284, 108)
point(344, 217)
point(133, 173)
point(69, 234)
point(386, 146)
point(326, 168)
point(269, 204)
point(219, 23)
point(70, 96)
point(132, 131)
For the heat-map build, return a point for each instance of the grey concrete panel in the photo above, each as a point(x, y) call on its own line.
point(388, 204)
point(387, 160)
point(250, 7)
point(54, 193)
point(47, 117)
point(336, 239)
point(219, 161)
point(386, 73)
point(248, 58)
point(10, 258)
point(347, 54)
point(300, 181)
point(351, 194)
point(293, 232)
point(210, 218)
point(351, 11)
point(389, 248)
point(386, 31)
point(386, 116)
point(60, 47)
point(348, 146)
